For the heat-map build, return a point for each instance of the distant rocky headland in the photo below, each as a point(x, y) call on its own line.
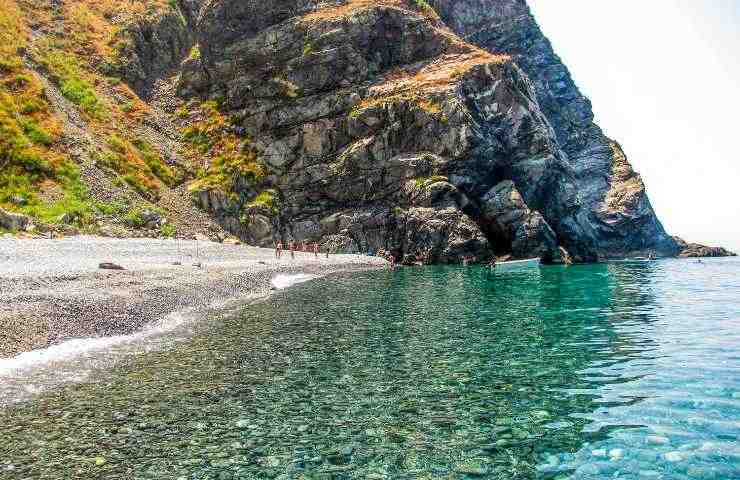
point(435, 130)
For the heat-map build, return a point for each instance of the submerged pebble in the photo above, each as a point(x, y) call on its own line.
point(657, 440)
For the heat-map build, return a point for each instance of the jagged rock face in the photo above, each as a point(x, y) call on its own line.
point(695, 250)
point(526, 231)
point(614, 199)
point(384, 130)
point(155, 47)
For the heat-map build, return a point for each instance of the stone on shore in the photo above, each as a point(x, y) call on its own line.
point(110, 266)
point(14, 221)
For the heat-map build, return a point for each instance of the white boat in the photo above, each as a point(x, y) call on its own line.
point(516, 265)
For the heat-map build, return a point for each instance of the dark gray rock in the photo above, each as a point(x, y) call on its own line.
point(110, 266)
point(695, 250)
point(613, 202)
point(14, 221)
point(155, 46)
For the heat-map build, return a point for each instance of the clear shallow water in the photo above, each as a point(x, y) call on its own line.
point(628, 370)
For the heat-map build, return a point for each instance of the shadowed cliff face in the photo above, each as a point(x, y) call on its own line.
point(613, 196)
point(385, 126)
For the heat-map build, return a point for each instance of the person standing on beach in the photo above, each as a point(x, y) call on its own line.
point(316, 250)
point(292, 249)
point(279, 249)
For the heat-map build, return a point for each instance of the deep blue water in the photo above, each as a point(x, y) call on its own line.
point(625, 370)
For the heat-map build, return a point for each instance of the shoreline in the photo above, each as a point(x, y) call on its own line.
point(52, 291)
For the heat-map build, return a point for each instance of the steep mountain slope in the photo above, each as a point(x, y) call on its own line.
point(434, 131)
point(613, 195)
point(82, 152)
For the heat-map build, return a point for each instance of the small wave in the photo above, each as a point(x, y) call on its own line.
point(81, 347)
point(283, 281)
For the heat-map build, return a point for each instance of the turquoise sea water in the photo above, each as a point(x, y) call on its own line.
point(626, 370)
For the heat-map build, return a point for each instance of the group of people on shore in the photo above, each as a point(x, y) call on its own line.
point(294, 247)
point(314, 248)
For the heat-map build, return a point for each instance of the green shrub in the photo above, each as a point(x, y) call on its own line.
point(31, 105)
point(68, 74)
point(117, 144)
point(81, 93)
point(135, 182)
point(36, 133)
point(425, 7)
point(168, 230)
point(134, 218)
point(111, 208)
point(267, 199)
point(154, 161)
point(194, 53)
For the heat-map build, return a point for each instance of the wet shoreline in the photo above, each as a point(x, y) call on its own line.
point(52, 291)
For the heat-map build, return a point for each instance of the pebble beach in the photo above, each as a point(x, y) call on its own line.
point(54, 290)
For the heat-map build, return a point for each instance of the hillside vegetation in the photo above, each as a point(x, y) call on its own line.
point(80, 150)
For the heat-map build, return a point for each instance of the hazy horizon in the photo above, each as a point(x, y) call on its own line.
point(663, 79)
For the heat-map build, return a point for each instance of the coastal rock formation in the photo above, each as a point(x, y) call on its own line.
point(613, 199)
point(435, 131)
point(695, 250)
point(378, 112)
point(13, 221)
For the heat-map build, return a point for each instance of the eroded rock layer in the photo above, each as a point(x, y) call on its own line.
point(384, 125)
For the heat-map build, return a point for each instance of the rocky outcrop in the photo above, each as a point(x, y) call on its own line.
point(695, 250)
point(13, 221)
point(384, 130)
point(152, 47)
point(510, 219)
point(613, 198)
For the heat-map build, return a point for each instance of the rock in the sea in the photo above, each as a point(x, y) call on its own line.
point(695, 250)
point(526, 231)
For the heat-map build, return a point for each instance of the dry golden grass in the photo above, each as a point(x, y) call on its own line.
point(416, 83)
point(23, 102)
point(73, 43)
point(349, 7)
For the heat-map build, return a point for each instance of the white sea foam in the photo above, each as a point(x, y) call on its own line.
point(81, 347)
point(283, 281)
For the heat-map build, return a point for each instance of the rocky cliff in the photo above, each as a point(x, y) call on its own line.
point(613, 197)
point(433, 130)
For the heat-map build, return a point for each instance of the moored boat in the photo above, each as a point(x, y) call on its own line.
point(515, 265)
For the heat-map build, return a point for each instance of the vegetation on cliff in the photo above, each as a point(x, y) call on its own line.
point(77, 141)
point(37, 177)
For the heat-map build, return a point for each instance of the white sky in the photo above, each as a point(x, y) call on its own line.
point(664, 80)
